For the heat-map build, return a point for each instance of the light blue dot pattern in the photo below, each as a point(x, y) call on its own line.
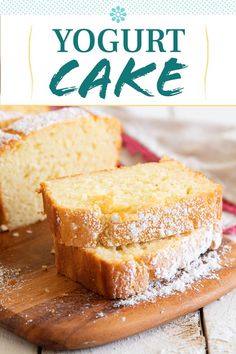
point(138, 7)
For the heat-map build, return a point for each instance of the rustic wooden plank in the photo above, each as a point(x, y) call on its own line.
point(220, 325)
point(183, 335)
point(9, 343)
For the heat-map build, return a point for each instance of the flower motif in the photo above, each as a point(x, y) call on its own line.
point(118, 14)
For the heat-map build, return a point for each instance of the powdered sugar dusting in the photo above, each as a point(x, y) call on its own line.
point(32, 123)
point(8, 278)
point(205, 267)
point(6, 138)
point(99, 112)
point(162, 222)
point(4, 115)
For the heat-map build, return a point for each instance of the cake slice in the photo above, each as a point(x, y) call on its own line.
point(131, 204)
point(50, 145)
point(129, 270)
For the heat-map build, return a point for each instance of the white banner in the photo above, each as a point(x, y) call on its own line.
point(63, 60)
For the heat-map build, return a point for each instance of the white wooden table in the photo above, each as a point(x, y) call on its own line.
point(210, 330)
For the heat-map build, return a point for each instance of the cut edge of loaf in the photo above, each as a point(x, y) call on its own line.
point(95, 228)
point(113, 277)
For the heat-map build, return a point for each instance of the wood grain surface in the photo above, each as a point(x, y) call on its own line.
point(220, 325)
point(51, 311)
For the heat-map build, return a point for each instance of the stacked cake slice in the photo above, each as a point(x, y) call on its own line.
point(117, 231)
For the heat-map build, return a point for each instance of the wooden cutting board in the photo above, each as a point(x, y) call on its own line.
point(51, 311)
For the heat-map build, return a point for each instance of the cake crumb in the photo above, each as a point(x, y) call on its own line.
point(3, 228)
point(46, 290)
point(100, 314)
point(44, 267)
point(29, 231)
point(52, 251)
point(15, 234)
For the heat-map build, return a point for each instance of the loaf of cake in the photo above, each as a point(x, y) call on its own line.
point(129, 270)
point(50, 145)
point(131, 205)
